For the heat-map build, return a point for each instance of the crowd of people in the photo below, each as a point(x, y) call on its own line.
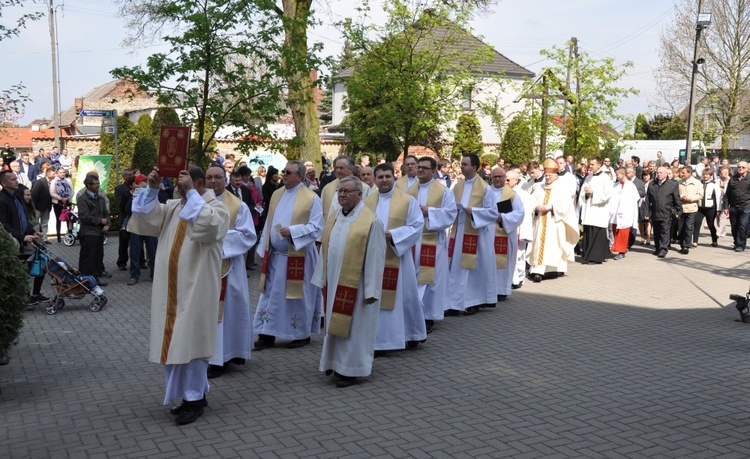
point(371, 257)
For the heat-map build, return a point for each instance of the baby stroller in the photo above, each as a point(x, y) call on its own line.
point(70, 216)
point(67, 281)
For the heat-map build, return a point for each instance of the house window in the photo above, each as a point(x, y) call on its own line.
point(466, 100)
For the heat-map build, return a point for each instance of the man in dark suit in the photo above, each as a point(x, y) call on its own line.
point(443, 172)
point(664, 204)
point(29, 169)
point(122, 198)
point(17, 223)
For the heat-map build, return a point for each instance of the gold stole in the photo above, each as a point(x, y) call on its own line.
point(428, 251)
point(397, 213)
point(295, 263)
point(402, 182)
point(232, 203)
point(351, 270)
point(471, 235)
point(327, 196)
point(501, 236)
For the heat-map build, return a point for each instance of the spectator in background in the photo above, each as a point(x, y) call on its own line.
point(123, 193)
point(644, 224)
point(663, 197)
point(228, 168)
point(23, 179)
point(166, 190)
point(708, 207)
point(40, 195)
point(136, 240)
point(28, 168)
point(61, 191)
point(312, 182)
point(94, 220)
point(722, 218)
point(691, 193)
point(737, 205)
point(42, 158)
point(54, 158)
point(65, 161)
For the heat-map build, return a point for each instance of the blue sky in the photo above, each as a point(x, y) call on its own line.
point(90, 35)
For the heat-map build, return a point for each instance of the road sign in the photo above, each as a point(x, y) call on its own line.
point(109, 129)
point(103, 113)
point(108, 121)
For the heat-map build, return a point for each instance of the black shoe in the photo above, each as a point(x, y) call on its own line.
point(451, 312)
point(536, 278)
point(237, 361)
point(101, 283)
point(297, 343)
point(122, 267)
point(189, 412)
point(264, 342)
point(329, 372)
point(502, 297)
point(412, 344)
point(470, 311)
point(346, 381)
point(428, 325)
point(214, 371)
point(106, 274)
point(739, 249)
point(685, 251)
point(380, 354)
point(175, 410)
point(714, 244)
point(516, 286)
point(662, 254)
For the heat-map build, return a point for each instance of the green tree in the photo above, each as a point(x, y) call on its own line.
point(226, 66)
point(641, 130)
point(145, 149)
point(517, 145)
point(468, 138)
point(126, 140)
point(14, 292)
point(164, 116)
point(408, 81)
point(592, 98)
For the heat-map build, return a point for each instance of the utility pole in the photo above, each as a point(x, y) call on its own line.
point(703, 21)
point(573, 43)
point(56, 115)
point(545, 116)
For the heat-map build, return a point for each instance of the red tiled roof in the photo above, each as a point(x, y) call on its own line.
point(22, 137)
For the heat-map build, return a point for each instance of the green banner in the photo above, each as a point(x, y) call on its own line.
point(92, 163)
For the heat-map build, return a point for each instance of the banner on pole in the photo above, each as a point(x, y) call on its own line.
point(100, 164)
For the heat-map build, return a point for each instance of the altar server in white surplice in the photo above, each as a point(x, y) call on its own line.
point(472, 278)
point(187, 285)
point(511, 215)
point(401, 321)
point(290, 306)
point(234, 332)
point(438, 208)
point(526, 230)
point(352, 258)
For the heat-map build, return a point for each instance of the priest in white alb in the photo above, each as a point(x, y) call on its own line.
point(234, 331)
point(472, 278)
point(438, 207)
point(350, 269)
point(187, 285)
point(511, 215)
point(290, 306)
point(409, 179)
point(401, 320)
point(526, 230)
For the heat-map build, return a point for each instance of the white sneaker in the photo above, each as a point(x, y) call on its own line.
point(97, 291)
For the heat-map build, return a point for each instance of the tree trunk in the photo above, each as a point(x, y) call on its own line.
point(301, 96)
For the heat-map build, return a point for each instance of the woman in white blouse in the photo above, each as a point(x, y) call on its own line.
point(708, 207)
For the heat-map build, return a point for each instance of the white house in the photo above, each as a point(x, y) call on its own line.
point(485, 91)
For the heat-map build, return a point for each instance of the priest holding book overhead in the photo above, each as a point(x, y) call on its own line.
point(510, 216)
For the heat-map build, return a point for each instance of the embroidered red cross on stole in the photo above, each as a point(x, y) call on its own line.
point(264, 266)
point(470, 244)
point(343, 302)
point(501, 245)
point(427, 256)
point(295, 268)
point(390, 278)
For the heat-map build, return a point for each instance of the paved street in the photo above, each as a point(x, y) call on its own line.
point(633, 358)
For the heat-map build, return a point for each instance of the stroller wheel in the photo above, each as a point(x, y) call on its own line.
point(55, 305)
point(98, 303)
point(69, 239)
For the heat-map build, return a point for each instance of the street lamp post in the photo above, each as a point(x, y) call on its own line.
point(704, 20)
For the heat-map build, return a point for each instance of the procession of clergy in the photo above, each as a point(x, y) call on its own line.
point(378, 264)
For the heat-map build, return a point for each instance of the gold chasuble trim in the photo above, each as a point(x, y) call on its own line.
point(174, 261)
point(543, 233)
point(295, 263)
point(232, 203)
point(471, 234)
point(327, 196)
point(351, 270)
point(428, 250)
point(501, 236)
point(397, 213)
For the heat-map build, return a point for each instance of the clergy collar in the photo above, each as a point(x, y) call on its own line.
point(562, 173)
point(426, 184)
point(471, 180)
point(389, 193)
point(220, 196)
point(354, 210)
point(292, 190)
